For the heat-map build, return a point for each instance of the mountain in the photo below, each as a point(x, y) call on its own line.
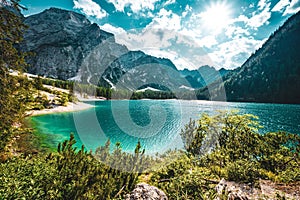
point(203, 76)
point(271, 74)
point(67, 46)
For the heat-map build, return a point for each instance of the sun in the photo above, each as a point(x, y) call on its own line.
point(216, 17)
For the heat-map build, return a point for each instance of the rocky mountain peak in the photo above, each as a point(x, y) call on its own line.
point(60, 39)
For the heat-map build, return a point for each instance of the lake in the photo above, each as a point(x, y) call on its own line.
point(155, 123)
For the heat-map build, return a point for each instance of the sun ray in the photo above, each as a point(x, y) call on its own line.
point(216, 17)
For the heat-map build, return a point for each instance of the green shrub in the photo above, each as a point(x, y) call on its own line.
point(239, 152)
point(68, 174)
point(242, 171)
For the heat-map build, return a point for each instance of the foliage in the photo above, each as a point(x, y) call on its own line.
point(238, 152)
point(11, 106)
point(183, 179)
point(148, 94)
point(68, 174)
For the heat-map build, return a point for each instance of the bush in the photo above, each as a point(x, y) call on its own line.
point(182, 179)
point(68, 174)
point(243, 171)
point(237, 150)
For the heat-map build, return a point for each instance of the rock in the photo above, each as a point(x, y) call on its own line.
point(59, 40)
point(144, 191)
point(221, 186)
point(235, 191)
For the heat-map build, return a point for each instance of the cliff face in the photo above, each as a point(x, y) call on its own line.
point(272, 73)
point(60, 40)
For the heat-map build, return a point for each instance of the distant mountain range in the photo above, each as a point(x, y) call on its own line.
point(271, 74)
point(203, 75)
point(67, 46)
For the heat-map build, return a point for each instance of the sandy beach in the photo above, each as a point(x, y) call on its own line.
point(71, 107)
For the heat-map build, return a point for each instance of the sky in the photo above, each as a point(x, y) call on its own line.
point(191, 33)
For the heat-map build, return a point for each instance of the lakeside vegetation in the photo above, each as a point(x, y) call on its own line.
point(226, 145)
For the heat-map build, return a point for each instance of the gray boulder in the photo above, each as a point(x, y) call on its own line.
point(144, 191)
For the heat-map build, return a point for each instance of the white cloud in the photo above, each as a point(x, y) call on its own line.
point(294, 7)
point(90, 8)
point(158, 34)
point(112, 29)
point(166, 20)
point(232, 31)
point(169, 2)
point(207, 41)
point(281, 5)
point(135, 6)
point(229, 53)
point(287, 6)
point(258, 18)
point(186, 10)
point(262, 4)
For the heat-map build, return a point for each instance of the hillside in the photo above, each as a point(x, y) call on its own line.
point(272, 73)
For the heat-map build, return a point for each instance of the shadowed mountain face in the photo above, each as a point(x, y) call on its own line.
point(66, 45)
point(271, 74)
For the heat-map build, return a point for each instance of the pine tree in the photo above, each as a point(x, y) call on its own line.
point(11, 30)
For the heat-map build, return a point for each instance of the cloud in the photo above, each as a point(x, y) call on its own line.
point(281, 5)
point(112, 29)
point(186, 10)
point(90, 8)
point(287, 7)
point(258, 18)
point(169, 2)
point(262, 4)
point(136, 6)
point(294, 7)
point(163, 38)
point(232, 31)
point(231, 54)
point(187, 44)
point(166, 20)
point(262, 16)
point(207, 41)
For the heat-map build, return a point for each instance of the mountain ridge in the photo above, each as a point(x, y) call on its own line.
point(271, 74)
point(68, 46)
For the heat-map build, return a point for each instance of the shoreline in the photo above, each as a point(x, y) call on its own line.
point(71, 107)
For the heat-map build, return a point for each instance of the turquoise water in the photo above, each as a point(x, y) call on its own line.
point(155, 123)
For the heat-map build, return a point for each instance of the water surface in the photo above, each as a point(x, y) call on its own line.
point(155, 123)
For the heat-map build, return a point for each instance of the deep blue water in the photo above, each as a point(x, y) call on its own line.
point(155, 123)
